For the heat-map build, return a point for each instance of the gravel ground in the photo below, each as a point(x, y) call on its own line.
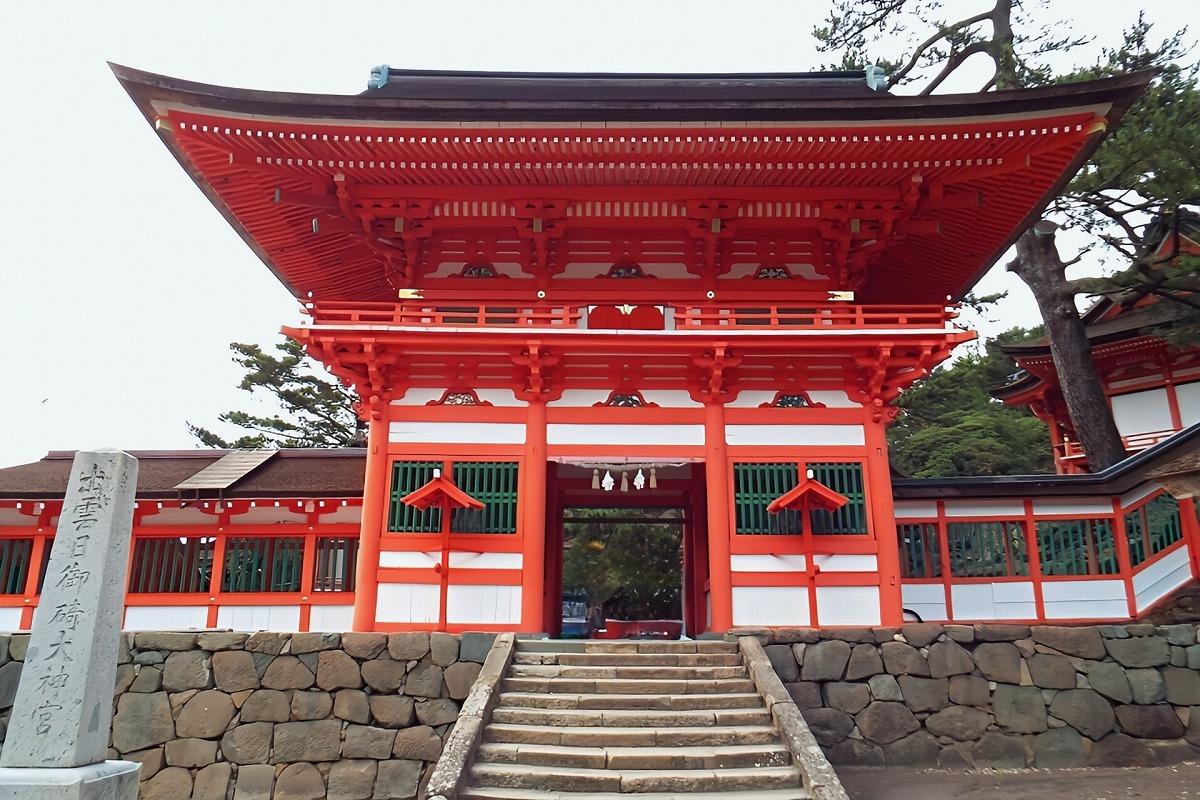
point(1147, 783)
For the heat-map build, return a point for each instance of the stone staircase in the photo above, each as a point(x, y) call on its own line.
point(653, 720)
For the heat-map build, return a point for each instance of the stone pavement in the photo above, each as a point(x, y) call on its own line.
point(1095, 783)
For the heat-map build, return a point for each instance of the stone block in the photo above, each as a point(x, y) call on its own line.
point(424, 680)
point(420, 743)
point(828, 725)
point(141, 721)
point(864, 662)
point(152, 760)
point(825, 661)
point(1081, 642)
point(205, 716)
point(921, 634)
point(352, 779)
point(855, 753)
point(885, 687)
point(397, 780)
point(1052, 672)
point(999, 751)
point(963, 634)
point(1110, 680)
point(148, 657)
point(18, 645)
point(234, 670)
point(187, 670)
point(125, 675)
point(163, 640)
point(221, 640)
point(314, 642)
point(1019, 709)
point(408, 646)
point(287, 672)
point(903, 659)
point(474, 646)
point(1139, 651)
point(949, 658)
point(352, 705)
point(924, 694)
point(849, 697)
point(969, 690)
point(1182, 685)
point(171, 783)
point(1061, 748)
point(191, 753)
point(1147, 686)
point(384, 675)
point(1150, 722)
point(794, 635)
point(437, 712)
point(443, 649)
point(336, 670)
point(393, 712)
point(266, 705)
point(311, 705)
point(1085, 711)
point(364, 646)
point(10, 678)
point(999, 661)
point(996, 632)
point(1120, 750)
point(783, 662)
point(918, 749)
point(459, 677)
point(299, 782)
point(805, 694)
point(268, 642)
point(961, 723)
point(319, 740)
point(212, 782)
point(363, 741)
point(848, 635)
point(883, 722)
point(254, 782)
point(248, 743)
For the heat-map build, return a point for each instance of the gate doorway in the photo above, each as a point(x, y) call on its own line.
point(624, 561)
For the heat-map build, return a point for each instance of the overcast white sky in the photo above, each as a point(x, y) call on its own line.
point(121, 287)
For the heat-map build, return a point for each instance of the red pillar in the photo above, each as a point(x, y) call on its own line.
point(882, 509)
point(716, 473)
point(533, 518)
point(374, 514)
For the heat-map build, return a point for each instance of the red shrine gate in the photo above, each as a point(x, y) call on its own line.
point(522, 273)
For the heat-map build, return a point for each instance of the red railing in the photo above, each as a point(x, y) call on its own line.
point(1070, 453)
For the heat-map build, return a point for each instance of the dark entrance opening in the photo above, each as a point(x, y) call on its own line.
point(626, 557)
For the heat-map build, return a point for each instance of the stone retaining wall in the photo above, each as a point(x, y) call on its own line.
point(995, 695)
point(304, 715)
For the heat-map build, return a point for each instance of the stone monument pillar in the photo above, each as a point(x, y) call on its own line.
point(58, 733)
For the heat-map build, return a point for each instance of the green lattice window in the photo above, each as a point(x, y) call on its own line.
point(407, 477)
point(495, 484)
point(1077, 547)
point(334, 564)
point(262, 564)
point(754, 487)
point(1152, 528)
point(987, 549)
point(15, 555)
point(920, 555)
point(170, 565)
point(846, 480)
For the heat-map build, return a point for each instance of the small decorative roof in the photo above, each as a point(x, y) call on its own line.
point(440, 492)
point(808, 495)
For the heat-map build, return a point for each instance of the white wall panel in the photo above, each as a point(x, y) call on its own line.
point(671, 398)
point(1085, 599)
point(794, 435)
point(916, 509)
point(343, 514)
point(770, 605)
point(1188, 395)
point(848, 605)
point(335, 619)
point(259, 618)
point(457, 432)
point(160, 618)
point(566, 433)
point(833, 398)
point(1075, 506)
point(408, 602)
point(1156, 581)
point(270, 515)
point(1142, 412)
point(10, 619)
point(580, 398)
point(409, 559)
point(179, 516)
point(847, 562)
point(767, 563)
point(483, 605)
point(1012, 509)
point(419, 397)
point(501, 398)
point(485, 560)
point(983, 601)
point(751, 399)
point(1138, 494)
point(926, 599)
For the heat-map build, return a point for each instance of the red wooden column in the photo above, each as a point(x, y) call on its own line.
point(374, 517)
point(532, 500)
point(882, 509)
point(716, 473)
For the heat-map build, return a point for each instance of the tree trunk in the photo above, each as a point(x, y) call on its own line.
point(1039, 266)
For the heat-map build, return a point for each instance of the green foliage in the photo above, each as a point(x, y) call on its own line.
point(319, 411)
point(949, 425)
point(630, 570)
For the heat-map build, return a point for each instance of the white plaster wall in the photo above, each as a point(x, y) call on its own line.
point(1135, 495)
point(983, 601)
point(409, 559)
point(1188, 395)
point(751, 399)
point(270, 515)
point(794, 435)
point(165, 618)
point(331, 619)
point(483, 605)
point(408, 602)
point(1075, 506)
point(767, 563)
point(1085, 599)
point(1153, 582)
point(259, 618)
point(568, 433)
point(927, 599)
point(457, 432)
point(1013, 509)
point(848, 605)
point(343, 514)
point(846, 562)
point(671, 398)
point(915, 509)
point(1142, 412)
point(179, 516)
point(770, 605)
point(463, 560)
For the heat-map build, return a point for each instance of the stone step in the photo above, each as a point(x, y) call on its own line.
point(629, 718)
point(494, 793)
point(626, 686)
point(630, 659)
point(652, 672)
point(659, 702)
point(627, 758)
point(575, 779)
point(620, 646)
point(593, 736)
